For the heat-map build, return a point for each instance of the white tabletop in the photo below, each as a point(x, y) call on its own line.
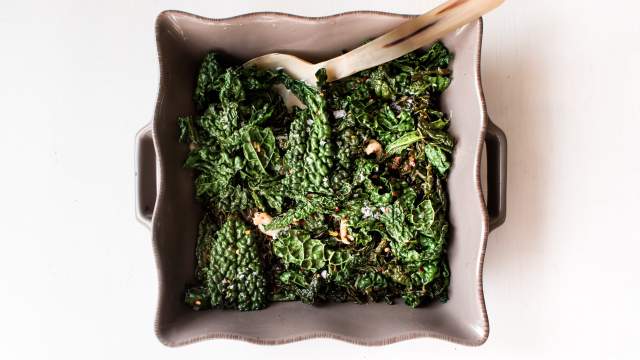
point(77, 274)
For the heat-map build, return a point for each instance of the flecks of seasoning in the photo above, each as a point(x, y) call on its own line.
point(366, 211)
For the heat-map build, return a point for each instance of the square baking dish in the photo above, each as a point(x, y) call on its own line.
point(166, 197)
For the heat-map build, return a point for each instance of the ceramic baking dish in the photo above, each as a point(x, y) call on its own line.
point(166, 201)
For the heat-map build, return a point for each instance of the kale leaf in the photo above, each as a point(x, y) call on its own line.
point(351, 188)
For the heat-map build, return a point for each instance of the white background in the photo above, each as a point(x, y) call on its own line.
point(77, 275)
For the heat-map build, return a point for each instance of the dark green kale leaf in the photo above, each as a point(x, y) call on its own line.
point(437, 56)
point(438, 157)
point(403, 142)
point(268, 194)
point(259, 148)
point(208, 80)
point(310, 154)
point(395, 223)
point(304, 208)
point(346, 223)
point(215, 172)
point(297, 247)
point(230, 269)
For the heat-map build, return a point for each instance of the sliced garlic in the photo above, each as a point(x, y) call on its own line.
point(261, 219)
point(344, 237)
point(373, 147)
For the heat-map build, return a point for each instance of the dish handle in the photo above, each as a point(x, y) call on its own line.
point(145, 172)
point(496, 142)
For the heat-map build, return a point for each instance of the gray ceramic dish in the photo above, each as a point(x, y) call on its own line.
point(165, 191)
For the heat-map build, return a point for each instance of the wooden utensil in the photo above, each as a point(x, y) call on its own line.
point(415, 33)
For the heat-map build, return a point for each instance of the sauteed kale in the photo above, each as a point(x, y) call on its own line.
point(344, 200)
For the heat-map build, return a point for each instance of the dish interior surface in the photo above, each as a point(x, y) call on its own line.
point(183, 40)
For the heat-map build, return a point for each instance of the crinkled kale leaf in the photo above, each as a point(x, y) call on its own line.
point(349, 192)
point(229, 267)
